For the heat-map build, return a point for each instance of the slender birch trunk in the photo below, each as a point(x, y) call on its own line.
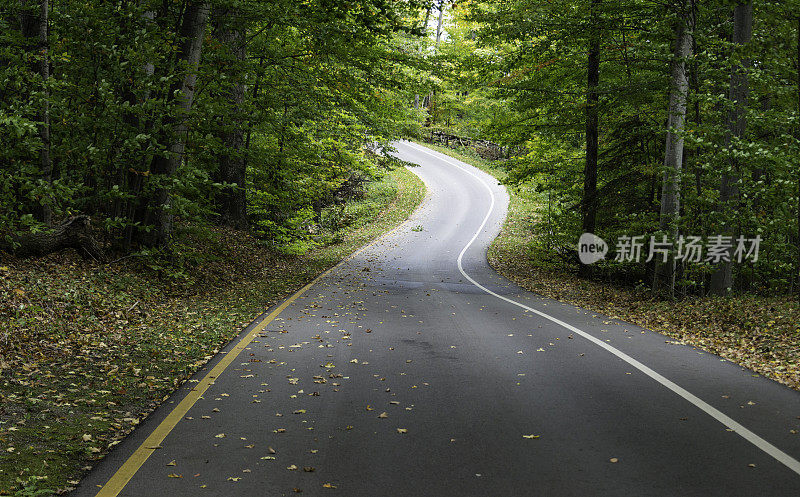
point(664, 278)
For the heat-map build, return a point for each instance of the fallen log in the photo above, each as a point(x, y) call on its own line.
point(74, 232)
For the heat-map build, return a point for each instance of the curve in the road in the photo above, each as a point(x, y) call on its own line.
point(482, 388)
point(748, 435)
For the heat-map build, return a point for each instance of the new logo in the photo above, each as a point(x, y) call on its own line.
point(591, 248)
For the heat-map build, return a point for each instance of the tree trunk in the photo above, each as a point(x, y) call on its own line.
point(722, 277)
point(439, 24)
point(797, 135)
point(664, 277)
point(165, 165)
point(589, 201)
point(427, 17)
point(431, 98)
point(34, 28)
point(232, 202)
point(135, 208)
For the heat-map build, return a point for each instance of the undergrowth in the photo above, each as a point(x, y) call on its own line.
point(88, 350)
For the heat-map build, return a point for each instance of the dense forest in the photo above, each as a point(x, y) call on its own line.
point(146, 117)
point(203, 160)
point(672, 121)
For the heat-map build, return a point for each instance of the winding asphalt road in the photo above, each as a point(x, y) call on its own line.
point(413, 369)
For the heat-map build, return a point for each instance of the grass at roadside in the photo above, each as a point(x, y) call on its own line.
point(759, 333)
point(88, 350)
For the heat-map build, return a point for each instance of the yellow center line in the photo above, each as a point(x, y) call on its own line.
point(124, 474)
point(131, 466)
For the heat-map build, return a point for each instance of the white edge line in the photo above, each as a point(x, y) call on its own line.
point(782, 457)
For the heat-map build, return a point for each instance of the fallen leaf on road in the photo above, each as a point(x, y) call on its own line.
point(172, 463)
point(402, 430)
point(383, 415)
point(613, 459)
point(173, 475)
point(328, 485)
point(530, 436)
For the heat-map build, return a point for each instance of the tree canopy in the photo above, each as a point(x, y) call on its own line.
point(673, 119)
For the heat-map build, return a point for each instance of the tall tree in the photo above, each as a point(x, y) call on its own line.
point(589, 201)
point(424, 33)
point(33, 23)
point(232, 201)
point(664, 277)
point(722, 278)
point(797, 137)
point(430, 100)
point(165, 165)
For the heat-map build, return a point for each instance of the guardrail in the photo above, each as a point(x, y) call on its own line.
point(484, 148)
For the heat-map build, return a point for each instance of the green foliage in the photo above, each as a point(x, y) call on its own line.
point(319, 83)
point(32, 488)
point(519, 78)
